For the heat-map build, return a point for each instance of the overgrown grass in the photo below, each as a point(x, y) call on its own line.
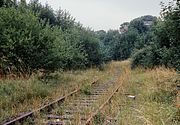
point(23, 95)
point(155, 92)
point(155, 102)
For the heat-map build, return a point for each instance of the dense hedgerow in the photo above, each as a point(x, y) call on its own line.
point(35, 37)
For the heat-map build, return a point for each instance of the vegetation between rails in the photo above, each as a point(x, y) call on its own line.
point(155, 100)
point(22, 95)
point(34, 37)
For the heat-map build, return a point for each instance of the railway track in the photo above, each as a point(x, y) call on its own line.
point(23, 116)
point(80, 109)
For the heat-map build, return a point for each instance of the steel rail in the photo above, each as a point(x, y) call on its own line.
point(30, 114)
point(88, 121)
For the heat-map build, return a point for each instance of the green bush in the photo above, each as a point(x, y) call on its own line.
point(86, 89)
point(25, 44)
point(144, 57)
point(28, 44)
point(165, 49)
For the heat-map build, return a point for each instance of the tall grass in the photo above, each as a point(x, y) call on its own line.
point(18, 95)
point(155, 103)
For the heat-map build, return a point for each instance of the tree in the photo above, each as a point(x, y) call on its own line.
point(64, 19)
point(44, 13)
point(25, 43)
point(126, 44)
point(165, 41)
point(143, 24)
point(8, 3)
point(108, 42)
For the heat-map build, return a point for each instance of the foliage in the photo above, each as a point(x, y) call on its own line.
point(8, 3)
point(125, 46)
point(35, 37)
point(64, 19)
point(108, 43)
point(165, 49)
point(24, 42)
point(86, 89)
point(142, 24)
point(119, 45)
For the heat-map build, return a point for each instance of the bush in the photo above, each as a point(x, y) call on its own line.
point(28, 44)
point(144, 57)
point(25, 43)
point(86, 89)
point(165, 49)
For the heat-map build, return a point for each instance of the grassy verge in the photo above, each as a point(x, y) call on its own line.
point(23, 95)
point(155, 102)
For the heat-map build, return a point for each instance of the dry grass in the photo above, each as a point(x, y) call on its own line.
point(23, 95)
point(155, 92)
point(155, 102)
point(110, 110)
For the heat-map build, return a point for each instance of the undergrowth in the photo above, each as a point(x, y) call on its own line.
point(156, 97)
point(20, 95)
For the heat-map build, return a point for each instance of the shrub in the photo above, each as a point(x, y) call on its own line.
point(25, 43)
point(144, 57)
point(86, 89)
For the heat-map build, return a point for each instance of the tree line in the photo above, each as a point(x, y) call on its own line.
point(163, 46)
point(149, 41)
point(34, 36)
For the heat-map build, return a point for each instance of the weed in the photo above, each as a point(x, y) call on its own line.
point(99, 119)
point(86, 89)
point(176, 116)
point(162, 96)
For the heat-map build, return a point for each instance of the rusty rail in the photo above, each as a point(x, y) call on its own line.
point(88, 122)
point(30, 114)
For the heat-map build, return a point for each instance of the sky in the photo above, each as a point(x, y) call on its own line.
point(106, 14)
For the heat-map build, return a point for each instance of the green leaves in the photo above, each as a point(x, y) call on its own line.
point(164, 42)
point(32, 38)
